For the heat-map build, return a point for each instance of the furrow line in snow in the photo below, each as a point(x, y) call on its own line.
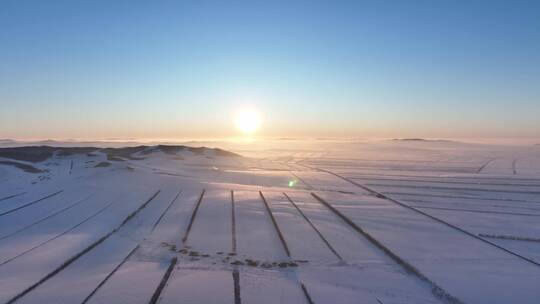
point(476, 211)
point(56, 236)
point(134, 213)
point(396, 167)
point(509, 237)
point(462, 197)
point(282, 239)
point(192, 218)
point(165, 211)
point(156, 296)
point(284, 243)
point(314, 228)
point(412, 200)
point(236, 280)
point(454, 188)
point(81, 253)
point(233, 222)
point(306, 294)
point(70, 167)
point(235, 271)
point(11, 196)
point(323, 160)
point(159, 289)
point(46, 217)
point(126, 258)
point(484, 165)
point(286, 163)
point(382, 196)
point(436, 289)
point(441, 182)
point(475, 178)
point(31, 203)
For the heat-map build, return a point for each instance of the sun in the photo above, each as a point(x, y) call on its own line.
point(248, 121)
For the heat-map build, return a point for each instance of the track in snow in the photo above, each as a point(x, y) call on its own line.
point(454, 188)
point(509, 237)
point(165, 211)
point(275, 224)
point(233, 223)
point(235, 272)
point(382, 196)
point(436, 289)
point(284, 243)
point(46, 217)
point(441, 182)
point(475, 211)
point(484, 165)
point(81, 253)
point(166, 276)
point(156, 296)
point(192, 218)
point(30, 203)
point(236, 280)
point(126, 258)
point(462, 197)
point(480, 177)
point(11, 196)
point(325, 241)
point(93, 215)
point(70, 167)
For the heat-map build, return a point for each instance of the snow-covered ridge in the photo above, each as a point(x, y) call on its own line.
point(425, 140)
point(48, 159)
point(36, 154)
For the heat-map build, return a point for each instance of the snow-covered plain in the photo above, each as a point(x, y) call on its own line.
point(399, 221)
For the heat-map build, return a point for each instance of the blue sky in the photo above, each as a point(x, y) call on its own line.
point(180, 69)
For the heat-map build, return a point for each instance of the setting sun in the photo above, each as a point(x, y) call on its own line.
point(248, 121)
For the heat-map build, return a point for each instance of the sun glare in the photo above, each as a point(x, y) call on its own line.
point(248, 121)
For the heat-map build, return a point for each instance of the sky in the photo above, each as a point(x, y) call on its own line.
point(182, 69)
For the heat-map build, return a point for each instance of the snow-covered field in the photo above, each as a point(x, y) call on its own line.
point(403, 221)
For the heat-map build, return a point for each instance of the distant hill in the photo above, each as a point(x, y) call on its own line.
point(37, 154)
point(7, 142)
point(424, 140)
